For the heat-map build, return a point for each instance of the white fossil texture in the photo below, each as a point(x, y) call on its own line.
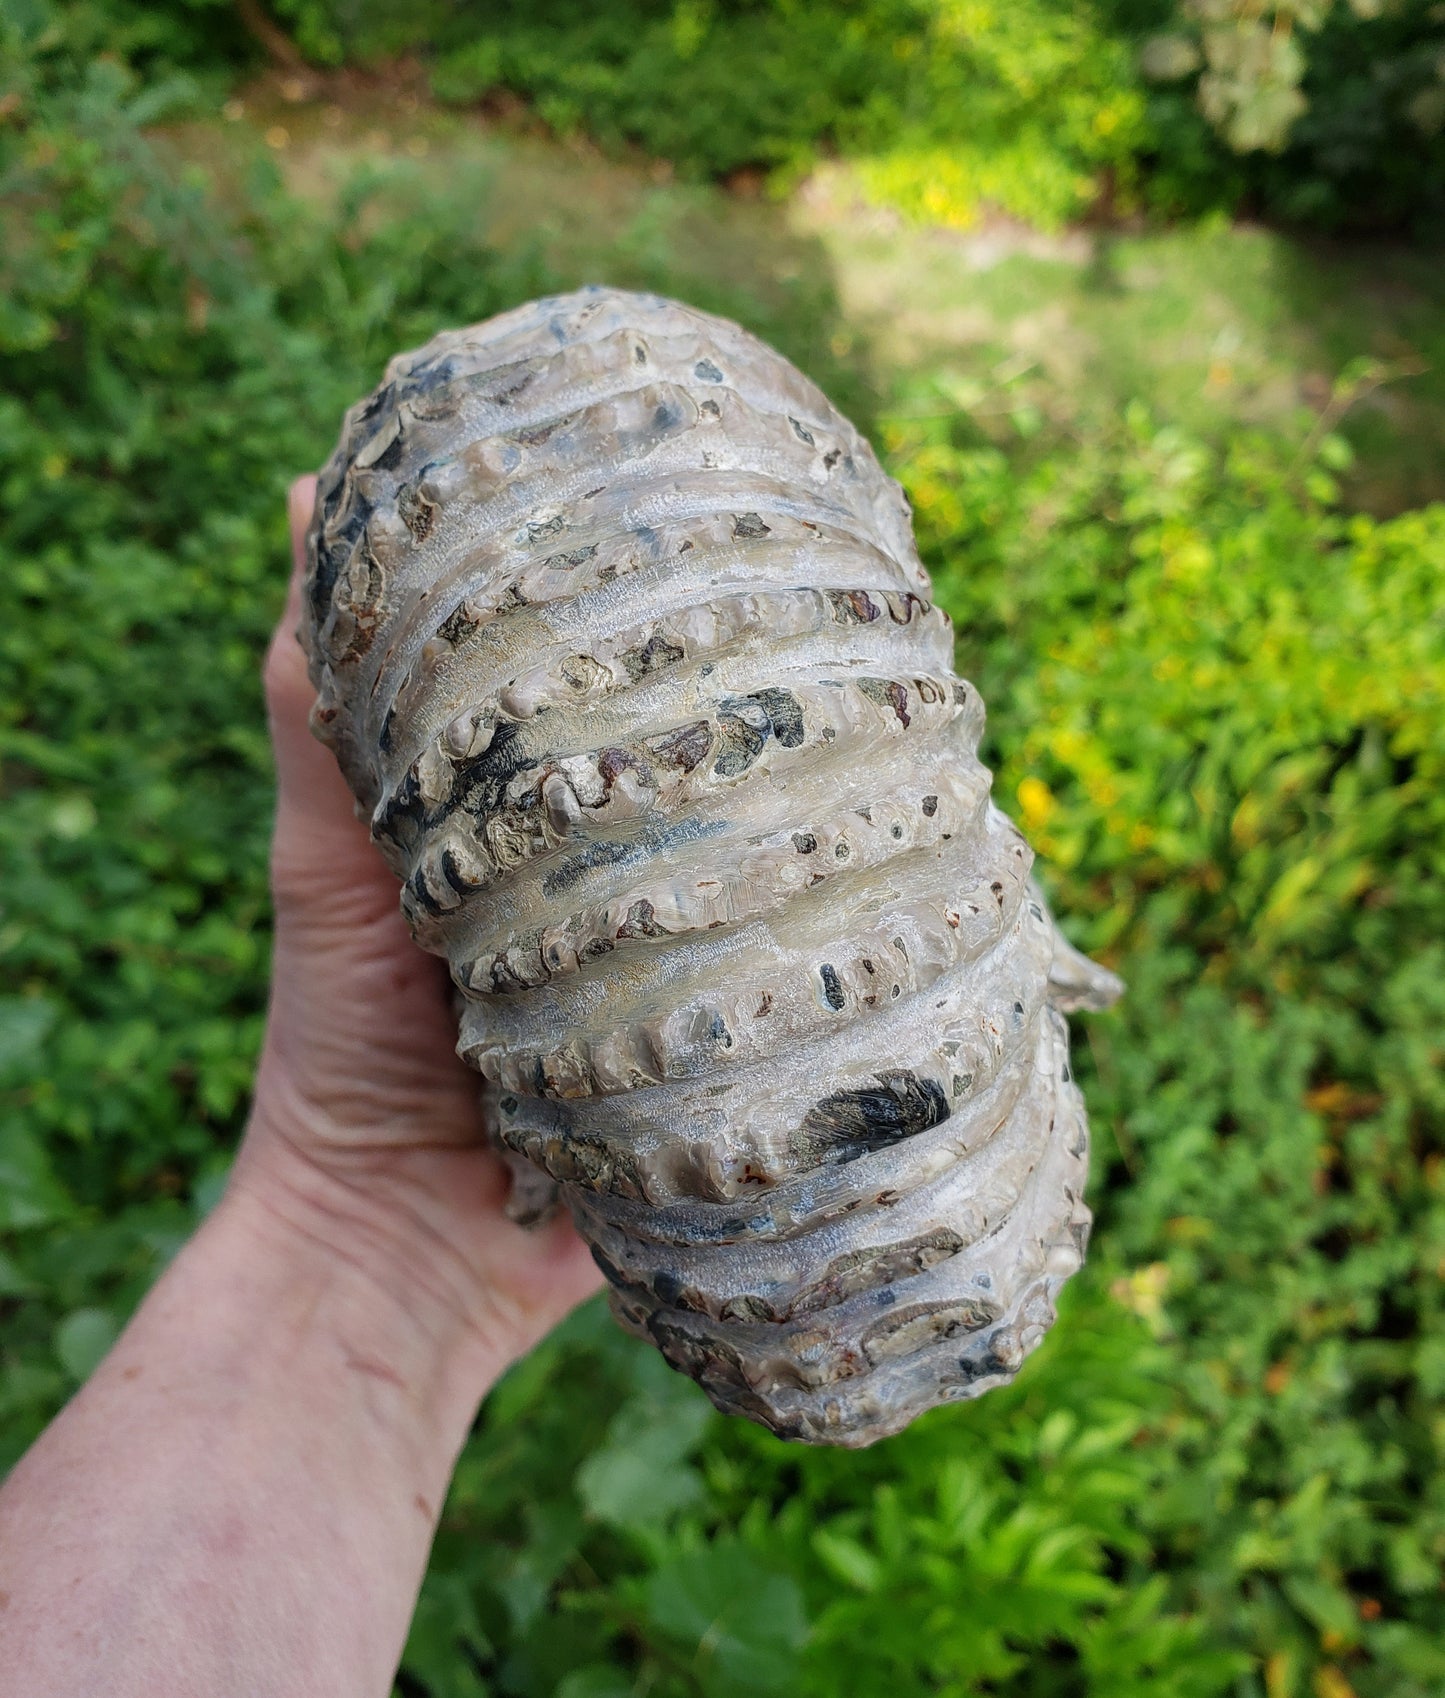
point(622, 642)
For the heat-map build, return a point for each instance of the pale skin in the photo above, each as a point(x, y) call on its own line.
point(241, 1499)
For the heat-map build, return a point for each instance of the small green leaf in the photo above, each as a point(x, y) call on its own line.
point(30, 1194)
point(1328, 1606)
point(847, 1559)
point(640, 1476)
point(13, 1283)
point(25, 1023)
point(446, 1640)
point(619, 1484)
point(743, 1622)
point(82, 1338)
point(72, 817)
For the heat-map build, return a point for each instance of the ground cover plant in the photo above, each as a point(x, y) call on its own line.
point(1216, 699)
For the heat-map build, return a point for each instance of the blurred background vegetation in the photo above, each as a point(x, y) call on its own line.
point(1143, 301)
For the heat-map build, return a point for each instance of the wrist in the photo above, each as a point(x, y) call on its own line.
point(371, 1274)
point(405, 1209)
point(242, 1496)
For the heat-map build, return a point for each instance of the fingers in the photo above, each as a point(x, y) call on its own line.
point(285, 662)
point(301, 762)
point(300, 503)
point(319, 842)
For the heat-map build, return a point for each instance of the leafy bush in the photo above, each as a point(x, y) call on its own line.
point(1327, 112)
point(1337, 107)
point(1323, 111)
point(166, 369)
point(1216, 703)
point(1220, 705)
point(954, 104)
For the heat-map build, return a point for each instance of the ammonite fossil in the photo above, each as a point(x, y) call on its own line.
point(622, 641)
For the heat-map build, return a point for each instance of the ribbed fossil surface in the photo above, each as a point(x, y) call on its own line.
point(622, 641)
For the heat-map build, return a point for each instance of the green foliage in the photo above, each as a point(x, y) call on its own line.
point(166, 369)
point(1216, 704)
point(986, 1548)
point(1220, 720)
point(952, 104)
point(200, 36)
point(1338, 106)
point(1328, 112)
point(1325, 111)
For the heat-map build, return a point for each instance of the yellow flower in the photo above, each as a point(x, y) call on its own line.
point(1036, 801)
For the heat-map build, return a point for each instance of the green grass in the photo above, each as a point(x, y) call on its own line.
point(1217, 325)
point(1215, 693)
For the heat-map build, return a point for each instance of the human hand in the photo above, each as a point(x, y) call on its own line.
point(366, 1133)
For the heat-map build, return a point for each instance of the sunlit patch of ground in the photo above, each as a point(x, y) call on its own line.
point(1212, 326)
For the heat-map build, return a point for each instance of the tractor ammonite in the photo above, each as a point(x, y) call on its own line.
point(622, 642)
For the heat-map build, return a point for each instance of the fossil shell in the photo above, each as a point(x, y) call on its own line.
point(623, 644)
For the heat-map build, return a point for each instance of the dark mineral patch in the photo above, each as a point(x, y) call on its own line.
point(785, 714)
point(743, 729)
point(613, 762)
point(641, 921)
point(570, 557)
point(683, 748)
point(888, 692)
point(602, 852)
point(655, 838)
point(884, 1266)
point(418, 514)
point(535, 435)
point(453, 874)
point(334, 545)
point(853, 607)
point(391, 456)
point(509, 392)
point(655, 655)
point(849, 1124)
point(426, 379)
point(488, 773)
point(458, 624)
